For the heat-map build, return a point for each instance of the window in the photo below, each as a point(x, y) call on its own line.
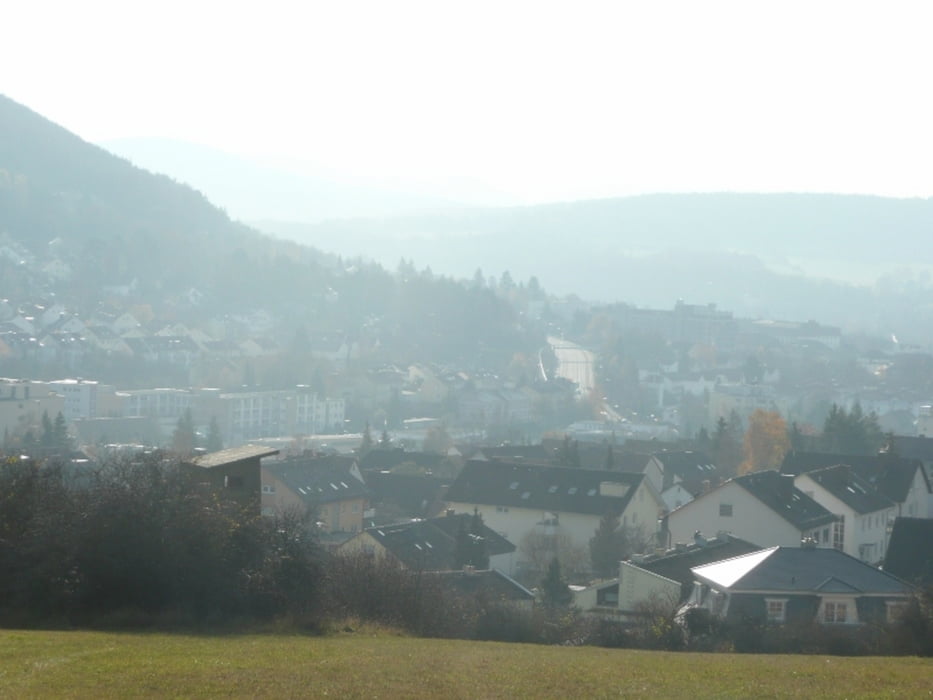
point(725, 510)
point(777, 609)
point(834, 612)
point(894, 609)
point(268, 488)
point(839, 532)
point(233, 482)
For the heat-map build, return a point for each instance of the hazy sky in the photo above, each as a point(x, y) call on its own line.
point(540, 100)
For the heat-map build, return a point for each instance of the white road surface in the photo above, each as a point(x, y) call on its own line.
point(574, 363)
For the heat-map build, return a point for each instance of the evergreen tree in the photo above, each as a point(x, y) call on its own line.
point(184, 439)
point(215, 440)
point(608, 546)
point(366, 444)
point(555, 592)
point(60, 438)
point(47, 438)
point(385, 442)
point(851, 432)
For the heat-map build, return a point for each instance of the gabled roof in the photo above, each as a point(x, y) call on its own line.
point(777, 492)
point(910, 550)
point(412, 494)
point(555, 489)
point(388, 458)
point(676, 564)
point(233, 454)
point(892, 475)
point(848, 487)
point(318, 480)
point(430, 545)
point(492, 583)
point(799, 570)
point(693, 468)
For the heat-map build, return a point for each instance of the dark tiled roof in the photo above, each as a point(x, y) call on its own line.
point(379, 459)
point(491, 584)
point(891, 475)
point(910, 550)
point(450, 525)
point(430, 545)
point(778, 492)
point(914, 447)
point(677, 564)
point(691, 467)
point(555, 489)
point(412, 494)
point(843, 483)
point(802, 570)
point(319, 480)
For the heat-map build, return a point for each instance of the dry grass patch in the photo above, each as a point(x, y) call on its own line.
point(370, 663)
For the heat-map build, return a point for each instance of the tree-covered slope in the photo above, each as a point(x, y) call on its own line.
point(110, 223)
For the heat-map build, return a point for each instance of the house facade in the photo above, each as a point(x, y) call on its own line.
point(862, 514)
point(524, 501)
point(803, 584)
point(764, 508)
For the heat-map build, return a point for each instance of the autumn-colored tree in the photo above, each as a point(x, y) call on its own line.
point(765, 442)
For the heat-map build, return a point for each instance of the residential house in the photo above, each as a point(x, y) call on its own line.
point(802, 584)
point(902, 480)
point(652, 579)
point(428, 545)
point(234, 474)
point(765, 508)
point(520, 500)
point(330, 488)
point(489, 586)
point(394, 497)
point(862, 514)
point(683, 474)
point(917, 448)
point(910, 551)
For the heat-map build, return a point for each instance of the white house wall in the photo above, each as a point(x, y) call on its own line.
point(859, 530)
point(639, 587)
point(751, 520)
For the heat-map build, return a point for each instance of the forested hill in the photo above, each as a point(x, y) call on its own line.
point(98, 222)
point(849, 227)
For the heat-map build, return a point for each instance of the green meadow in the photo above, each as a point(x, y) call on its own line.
point(378, 664)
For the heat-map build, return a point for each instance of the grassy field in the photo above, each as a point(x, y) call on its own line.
point(351, 665)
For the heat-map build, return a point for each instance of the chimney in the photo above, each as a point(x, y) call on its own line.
point(808, 543)
point(449, 512)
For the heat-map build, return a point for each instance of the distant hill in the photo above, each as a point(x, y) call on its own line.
point(104, 223)
point(842, 259)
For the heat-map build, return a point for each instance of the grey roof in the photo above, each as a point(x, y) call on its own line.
point(233, 454)
point(676, 564)
point(799, 570)
point(319, 480)
point(555, 489)
point(690, 467)
point(490, 583)
point(430, 544)
point(380, 458)
point(843, 483)
point(910, 550)
point(777, 492)
point(892, 475)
